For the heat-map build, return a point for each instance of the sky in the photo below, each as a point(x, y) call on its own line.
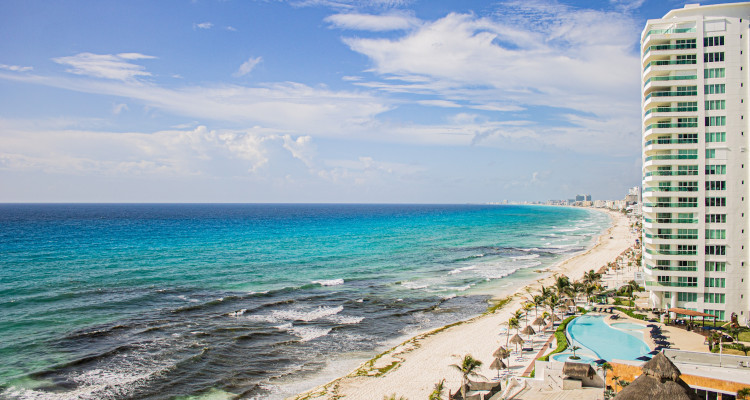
point(335, 101)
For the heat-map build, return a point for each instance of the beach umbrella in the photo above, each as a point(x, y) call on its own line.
point(502, 352)
point(563, 308)
point(569, 302)
point(516, 340)
point(539, 321)
point(554, 317)
point(498, 364)
point(528, 330)
point(660, 380)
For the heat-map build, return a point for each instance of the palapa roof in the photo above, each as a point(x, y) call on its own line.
point(691, 313)
point(660, 380)
point(501, 352)
point(578, 370)
point(570, 302)
point(538, 321)
point(498, 364)
point(553, 317)
point(516, 339)
point(528, 330)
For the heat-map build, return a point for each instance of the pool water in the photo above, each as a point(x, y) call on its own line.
point(592, 333)
point(628, 326)
point(564, 357)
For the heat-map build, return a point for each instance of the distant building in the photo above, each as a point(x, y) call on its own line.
point(695, 177)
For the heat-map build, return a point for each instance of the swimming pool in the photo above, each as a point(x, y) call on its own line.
point(592, 333)
point(628, 326)
point(565, 357)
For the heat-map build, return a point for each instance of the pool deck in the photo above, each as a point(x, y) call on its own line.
point(676, 337)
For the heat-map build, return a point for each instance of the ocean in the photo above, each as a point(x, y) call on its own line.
point(189, 301)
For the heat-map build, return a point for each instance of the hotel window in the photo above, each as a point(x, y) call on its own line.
point(687, 201)
point(686, 59)
point(716, 169)
point(716, 104)
point(716, 137)
point(718, 88)
point(686, 249)
point(713, 73)
point(716, 201)
point(687, 281)
point(716, 121)
point(710, 153)
point(716, 234)
point(716, 250)
point(716, 218)
point(716, 185)
point(717, 313)
point(667, 295)
point(713, 57)
point(715, 282)
point(684, 265)
point(662, 278)
point(687, 122)
point(684, 296)
point(684, 43)
point(714, 298)
point(687, 170)
point(713, 41)
point(717, 266)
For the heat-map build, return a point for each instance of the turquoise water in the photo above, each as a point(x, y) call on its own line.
point(563, 357)
point(160, 301)
point(628, 326)
point(592, 333)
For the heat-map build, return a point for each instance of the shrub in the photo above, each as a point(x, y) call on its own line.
point(562, 340)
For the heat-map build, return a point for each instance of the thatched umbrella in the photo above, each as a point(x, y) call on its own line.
point(516, 340)
point(578, 371)
point(498, 364)
point(569, 302)
point(539, 321)
point(528, 330)
point(660, 380)
point(501, 352)
point(554, 317)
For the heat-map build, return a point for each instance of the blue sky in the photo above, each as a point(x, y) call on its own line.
point(320, 100)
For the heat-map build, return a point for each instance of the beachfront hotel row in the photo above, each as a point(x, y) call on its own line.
point(695, 105)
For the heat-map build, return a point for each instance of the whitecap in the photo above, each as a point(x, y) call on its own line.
point(347, 320)
point(237, 313)
point(462, 269)
point(528, 257)
point(307, 333)
point(329, 282)
point(414, 285)
point(307, 316)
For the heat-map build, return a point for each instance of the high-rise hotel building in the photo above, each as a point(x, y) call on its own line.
point(696, 109)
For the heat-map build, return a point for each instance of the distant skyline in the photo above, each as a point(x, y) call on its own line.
point(320, 100)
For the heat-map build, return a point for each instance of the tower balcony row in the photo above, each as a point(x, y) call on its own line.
point(666, 34)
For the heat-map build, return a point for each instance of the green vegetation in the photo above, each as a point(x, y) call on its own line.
point(562, 340)
point(631, 314)
point(744, 335)
point(498, 305)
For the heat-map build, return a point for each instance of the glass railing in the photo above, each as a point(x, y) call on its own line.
point(671, 78)
point(672, 252)
point(669, 47)
point(671, 220)
point(670, 236)
point(664, 268)
point(672, 173)
point(673, 157)
point(671, 141)
point(672, 189)
point(665, 205)
point(668, 62)
point(673, 284)
point(667, 31)
point(672, 94)
point(670, 109)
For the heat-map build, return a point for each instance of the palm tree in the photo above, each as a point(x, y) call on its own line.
point(437, 393)
point(538, 301)
point(527, 307)
point(546, 292)
point(743, 394)
point(591, 278)
point(467, 368)
point(512, 324)
point(561, 283)
point(743, 348)
point(575, 357)
point(552, 301)
point(393, 397)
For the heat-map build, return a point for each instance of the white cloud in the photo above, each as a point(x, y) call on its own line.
point(231, 29)
point(369, 22)
point(203, 25)
point(248, 66)
point(119, 108)
point(110, 66)
point(439, 103)
point(15, 68)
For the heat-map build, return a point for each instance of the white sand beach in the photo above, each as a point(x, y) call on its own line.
point(413, 368)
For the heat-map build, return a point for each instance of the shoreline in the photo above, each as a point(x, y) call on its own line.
point(402, 368)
